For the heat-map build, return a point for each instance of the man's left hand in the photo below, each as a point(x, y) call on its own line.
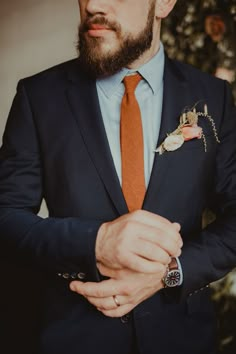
point(128, 287)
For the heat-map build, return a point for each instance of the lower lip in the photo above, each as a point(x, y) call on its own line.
point(98, 32)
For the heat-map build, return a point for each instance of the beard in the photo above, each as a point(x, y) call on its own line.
point(97, 63)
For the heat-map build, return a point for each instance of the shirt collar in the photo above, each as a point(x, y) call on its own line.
point(152, 72)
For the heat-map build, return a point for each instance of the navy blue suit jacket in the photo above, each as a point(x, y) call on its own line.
point(55, 147)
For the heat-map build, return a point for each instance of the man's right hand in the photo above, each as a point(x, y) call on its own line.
point(141, 241)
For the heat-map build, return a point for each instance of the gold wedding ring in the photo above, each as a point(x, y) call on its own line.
point(116, 300)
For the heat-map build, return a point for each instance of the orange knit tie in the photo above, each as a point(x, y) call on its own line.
point(132, 151)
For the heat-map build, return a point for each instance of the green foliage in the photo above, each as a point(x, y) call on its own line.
point(202, 33)
point(225, 302)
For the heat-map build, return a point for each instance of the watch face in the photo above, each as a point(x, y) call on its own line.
point(172, 278)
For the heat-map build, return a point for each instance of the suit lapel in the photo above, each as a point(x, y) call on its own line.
point(175, 99)
point(83, 99)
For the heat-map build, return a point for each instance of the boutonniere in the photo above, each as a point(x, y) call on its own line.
point(188, 129)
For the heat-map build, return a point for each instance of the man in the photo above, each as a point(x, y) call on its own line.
point(125, 261)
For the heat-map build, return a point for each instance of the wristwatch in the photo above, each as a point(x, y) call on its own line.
point(173, 276)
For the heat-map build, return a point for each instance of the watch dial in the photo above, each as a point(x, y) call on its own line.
point(173, 278)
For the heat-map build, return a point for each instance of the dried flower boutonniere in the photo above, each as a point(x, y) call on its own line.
point(188, 129)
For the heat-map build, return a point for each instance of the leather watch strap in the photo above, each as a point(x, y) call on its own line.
point(173, 264)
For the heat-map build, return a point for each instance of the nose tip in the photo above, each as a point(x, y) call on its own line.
point(96, 7)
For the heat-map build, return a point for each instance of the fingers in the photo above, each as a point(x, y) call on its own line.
point(158, 245)
point(162, 232)
point(109, 272)
point(115, 298)
point(119, 311)
point(154, 220)
point(103, 289)
point(143, 265)
point(148, 252)
point(127, 274)
point(97, 295)
point(140, 241)
point(152, 252)
point(148, 218)
point(104, 303)
point(153, 228)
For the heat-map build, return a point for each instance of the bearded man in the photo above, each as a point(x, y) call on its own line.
point(127, 148)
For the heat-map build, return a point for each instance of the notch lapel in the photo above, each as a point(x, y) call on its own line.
point(83, 99)
point(175, 99)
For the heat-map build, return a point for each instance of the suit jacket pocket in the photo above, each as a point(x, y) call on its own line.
point(199, 143)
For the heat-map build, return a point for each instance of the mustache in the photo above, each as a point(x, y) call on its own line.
point(86, 25)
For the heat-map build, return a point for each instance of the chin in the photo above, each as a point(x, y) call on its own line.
point(107, 49)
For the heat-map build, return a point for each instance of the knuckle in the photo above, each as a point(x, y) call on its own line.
point(166, 259)
point(177, 249)
point(125, 292)
point(127, 289)
point(119, 251)
point(161, 268)
point(126, 226)
point(176, 236)
point(179, 252)
point(136, 265)
point(99, 293)
point(172, 247)
point(179, 239)
point(101, 306)
point(127, 231)
point(126, 260)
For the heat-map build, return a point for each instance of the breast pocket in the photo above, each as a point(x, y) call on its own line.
point(203, 144)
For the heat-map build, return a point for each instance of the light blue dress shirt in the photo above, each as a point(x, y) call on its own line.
point(149, 94)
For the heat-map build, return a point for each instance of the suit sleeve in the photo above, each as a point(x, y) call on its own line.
point(211, 254)
point(52, 244)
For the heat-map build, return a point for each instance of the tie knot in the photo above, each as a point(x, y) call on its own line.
point(131, 82)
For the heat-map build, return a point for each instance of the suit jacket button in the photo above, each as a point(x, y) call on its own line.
point(125, 318)
point(81, 276)
point(73, 276)
point(66, 275)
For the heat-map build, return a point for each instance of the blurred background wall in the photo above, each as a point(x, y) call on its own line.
point(33, 36)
